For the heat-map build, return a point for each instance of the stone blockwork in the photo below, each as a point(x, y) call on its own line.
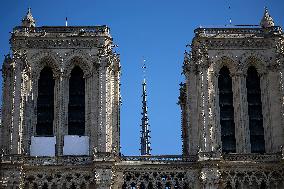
point(237, 49)
point(61, 48)
point(202, 165)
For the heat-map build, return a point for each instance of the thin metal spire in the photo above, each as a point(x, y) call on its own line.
point(145, 132)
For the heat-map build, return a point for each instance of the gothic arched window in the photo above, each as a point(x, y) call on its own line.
point(76, 106)
point(45, 103)
point(255, 111)
point(226, 111)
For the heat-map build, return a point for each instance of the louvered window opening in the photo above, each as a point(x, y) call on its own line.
point(45, 103)
point(76, 105)
point(226, 111)
point(255, 111)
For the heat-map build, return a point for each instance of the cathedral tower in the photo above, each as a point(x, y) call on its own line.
point(61, 87)
point(233, 92)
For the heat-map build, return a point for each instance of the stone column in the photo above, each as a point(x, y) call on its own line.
point(214, 111)
point(241, 113)
point(281, 96)
point(6, 107)
point(57, 112)
point(210, 177)
point(192, 112)
point(109, 110)
point(265, 87)
point(103, 178)
point(16, 109)
point(102, 119)
point(88, 101)
point(117, 180)
point(95, 101)
point(61, 94)
point(27, 111)
point(116, 112)
point(203, 111)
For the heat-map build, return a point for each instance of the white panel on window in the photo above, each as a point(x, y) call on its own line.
point(76, 145)
point(42, 146)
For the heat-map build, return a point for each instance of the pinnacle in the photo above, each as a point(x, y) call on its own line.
point(28, 20)
point(267, 20)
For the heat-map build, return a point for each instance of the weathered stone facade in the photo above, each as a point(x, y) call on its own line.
point(203, 164)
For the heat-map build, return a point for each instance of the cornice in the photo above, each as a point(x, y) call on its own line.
point(57, 43)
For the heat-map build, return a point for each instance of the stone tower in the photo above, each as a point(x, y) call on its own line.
point(61, 92)
point(61, 104)
point(233, 95)
point(41, 102)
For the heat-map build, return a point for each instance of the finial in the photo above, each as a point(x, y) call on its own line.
point(28, 20)
point(267, 20)
point(145, 131)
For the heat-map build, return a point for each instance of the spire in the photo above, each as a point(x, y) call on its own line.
point(267, 20)
point(145, 132)
point(28, 20)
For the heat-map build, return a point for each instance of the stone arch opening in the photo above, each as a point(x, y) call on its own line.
point(255, 111)
point(76, 105)
point(45, 103)
point(226, 111)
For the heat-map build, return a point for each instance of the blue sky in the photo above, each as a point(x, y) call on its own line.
point(155, 29)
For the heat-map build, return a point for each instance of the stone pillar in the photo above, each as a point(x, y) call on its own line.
point(102, 119)
point(241, 119)
point(192, 109)
point(117, 180)
point(6, 107)
point(88, 106)
point(210, 178)
point(281, 96)
point(109, 104)
point(103, 178)
point(27, 102)
point(116, 112)
point(267, 112)
point(214, 111)
point(95, 101)
point(16, 109)
point(61, 95)
point(203, 111)
point(274, 134)
point(57, 113)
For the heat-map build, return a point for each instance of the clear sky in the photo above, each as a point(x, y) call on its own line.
point(155, 29)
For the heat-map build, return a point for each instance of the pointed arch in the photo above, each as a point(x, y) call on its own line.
point(76, 105)
point(42, 59)
point(226, 111)
point(225, 61)
point(258, 61)
point(255, 111)
point(80, 61)
point(45, 103)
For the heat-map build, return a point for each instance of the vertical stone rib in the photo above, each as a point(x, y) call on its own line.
point(57, 113)
point(192, 98)
point(6, 107)
point(16, 108)
point(266, 111)
point(241, 113)
point(94, 110)
point(88, 104)
point(214, 113)
point(205, 141)
point(102, 111)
